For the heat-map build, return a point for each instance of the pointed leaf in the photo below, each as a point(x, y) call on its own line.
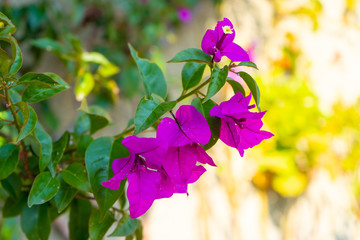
point(191, 74)
point(16, 54)
point(254, 88)
point(38, 79)
point(9, 158)
point(192, 55)
point(125, 227)
point(151, 74)
point(45, 147)
point(98, 226)
point(149, 111)
point(8, 27)
point(29, 120)
point(35, 222)
point(236, 86)
point(218, 79)
point(65, 195)
point(43, 189)
point(98, 117)
point(75, 175)
point(58, 150)
point(84, 86)
point(98, 166)
point(248, 64)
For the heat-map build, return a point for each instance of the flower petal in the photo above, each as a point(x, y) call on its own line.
point(166, 188)
point(208, 43)
point(123, 166)
point(114, 182)
point(194, 124)
point(142, 191)
point(196, 174)
point(229, 133)
point(169, 131)
point(227, 38)
point(235, 53)
point(179, 163)
point(203, 157)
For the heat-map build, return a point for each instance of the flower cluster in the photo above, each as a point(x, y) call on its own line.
point(159, 167)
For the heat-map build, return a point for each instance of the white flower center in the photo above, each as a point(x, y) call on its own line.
point(227, 29)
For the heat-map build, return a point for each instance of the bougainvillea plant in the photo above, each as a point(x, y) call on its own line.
point(42, 179)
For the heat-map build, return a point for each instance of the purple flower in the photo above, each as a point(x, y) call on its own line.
point(184, 15)
point(219, 42)
point(240, 128)
point(183, 136)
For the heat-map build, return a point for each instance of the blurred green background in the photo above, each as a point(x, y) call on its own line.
point(304, 183)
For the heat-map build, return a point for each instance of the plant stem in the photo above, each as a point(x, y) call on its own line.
point(125, 132)
point(193, 91)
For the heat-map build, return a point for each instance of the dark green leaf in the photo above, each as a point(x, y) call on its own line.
point(65, 195)
point(98, 166)
point(12, 184)
point(79, 219)
point(16, 54)
point(192, 55)
point(98, 226)
point(248, 64)
point(218, 79)
point(125, 227)
point(191, 74)
point(48, 45)
point(75, 175)
point(43, 189)
point(214, 122)
point(58, 150)
point(45, 147)
point(236, 86)
point(254, 89)
point(151, 74)
point(35, 222)
point(9, 158)
point(35, 93)
point(29, 120)
point(149, 111)
point(83, 143)
point(38, 79)
point(98, 117)
point(14, 206)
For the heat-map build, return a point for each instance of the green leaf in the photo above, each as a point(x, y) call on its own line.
point(35, 222)
point(236, 86)
point(14, 206)
point(16, 54)
point(38, 79)
point(94, 57)
point(254, 88)
point(49, 45)
point(149, 111)
point(217, 81)
point(29, 120)
point(248, 64)
point(58, 150)
point(82, 123)
point(83, 143)
point(151, 74)
point(139, 232)
point(125, 227)
point(43, 189)
point(79, 219)
point(65, 195)
point(98, 226)
point(35, 93)
point(5, 62)
point(191, 74)
point(98, 117)
point(75, 175)
point(12, 184)
point(214, 122)
point(84, 86)
point(8, 27)
point(98, 159)
point(45, 147)
point(9, 158)
point(192, 55)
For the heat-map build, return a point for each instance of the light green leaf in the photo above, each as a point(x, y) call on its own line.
point(218, 79)
point(9, 158)
point(149, 111)
point(43, 189)
point(192, 55)
point(151, 74)
point(248, 64)
point(16, 53)
point(7, 26)
point(84, 86)
point(5, 62)
point(191, 74)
